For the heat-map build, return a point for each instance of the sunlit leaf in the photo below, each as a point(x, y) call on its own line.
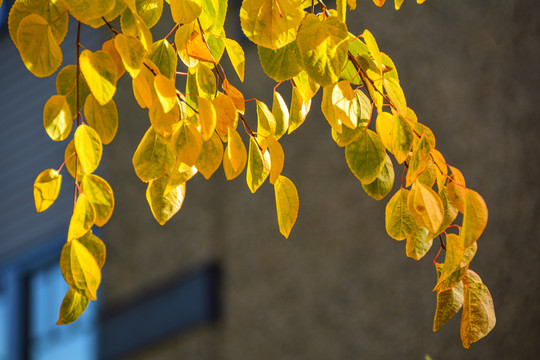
point(236, 54)
point(164, 57)
point(366, 156)
point(207, 118)
point(110, 48)
point(197, 49)
point(281, 115)
point(102, 118)
point(299, 110)
point(287, 204)
point(402, 138)
point(181, 37)
point(99, 72)
point(305, 84)
point(149, 11)
point(57, 118)
point(46, 189)
point(277, 158)
point(119, 7)
point(456, 189)
point(164, 207)
point(440, 168)
point(40, 51)
point(266, 124)
point(450, 213)
point(478, 316)
point(180, 174)
point(395, 93)
point(185, 11)
point(89, 148)
point(271, 23)
point(225, 114)
point(475, 217)
point(82, 219)
point(65, 85)
point(131, 51)
point(187, 143)
point(281, 64)
point(323, 48)
point(418, 244)
point(72, 162)
point(152, 157)
point(210, 157)
point(83, 11)
point(166, 92)
point(143, 85)
point(235, 156)
point(100, 194)
point(448, 304)
point(373, 48)
point(425, 206)
point(399, 222)
point(258, 166)
point(162, 122)
point(235, 95)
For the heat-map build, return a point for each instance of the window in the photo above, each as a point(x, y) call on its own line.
point(3, 326)
point(46, 340)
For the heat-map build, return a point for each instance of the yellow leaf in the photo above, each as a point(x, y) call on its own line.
point(180, 174)
point(352, 4)
point(152, 157)
point(266, 124)
point(131, 51)
point(226, 115)
point(70, 158)
point(280, 64)
point(89, 148)
point(452, 263)
point(258, 166)
point(211, 13)
point(84, 11)
point(164, 207)
point(185, 11)
point(235, 156)
point(271, 23)
point(187, 143)
point(207, 118)
point(402, 138)
point(99, 71)
point(84, 216)
point(475, 217)
point(395, 94)
point(287, 204)
point(180, 39)
point(197, 49)
point(57, 118)
point(149, 10)
point(166, 92)
point(307, 87)
point(100, 194)
point(40, 51)
point(236, 54)
point(373, 48)
point(345, 104)
point(323, 48)
point(72, 307)
point(46, 189)
point(419, 161)
point(49, 10)
point(85, 270)
point(384, 124)
point(425, 206)
point(164, 123)
point(456, 189)
point(235, 95)
point(119, 7)
point(448, 304)
point(382, 185)
point(109, 47)
point(277, 158)
point(102, 118)
point(399, 221)
point(143, 86)
point(65, 85)
point(210, 157)
point(281, 115)
point(399, 2)
point(478, 316)
point(450, 213)
point(299, 109)
point(418, 244)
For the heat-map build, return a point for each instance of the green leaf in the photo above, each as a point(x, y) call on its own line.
point(323, 48)
point(164, 56)
point(84, 216)
point(65, 85)
point(210, 157)
point(287, 204)
point(102, 118)
point(149, 11)
point(448, 304)
point(475, 217)
point(418, 244)
point(383, 184)
point(187, 143)
point(478, 316)
point(236, 54)
point(57, 118)
point(72, 307)
point(398, 220)
point(84, 11)
point(402, 138)
point(100, 194)
point(152, 157)
point(271, 23)
point(89, 148)
point(366, 156)
point(258, 167)
point(164, 207)
point(185, 11)
point(99, 72)
point(281, 64)
point(40, 51)
point(131, 51)
point(281, 115)
point(46, 189)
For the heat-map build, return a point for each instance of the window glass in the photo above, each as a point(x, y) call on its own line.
point(48, 341)
point(3, 325)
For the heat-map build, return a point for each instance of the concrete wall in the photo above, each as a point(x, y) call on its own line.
point(339, 287)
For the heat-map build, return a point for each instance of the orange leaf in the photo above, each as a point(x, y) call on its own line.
point(197, 49)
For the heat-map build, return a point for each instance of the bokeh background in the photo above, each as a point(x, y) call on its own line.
point(339, 287)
